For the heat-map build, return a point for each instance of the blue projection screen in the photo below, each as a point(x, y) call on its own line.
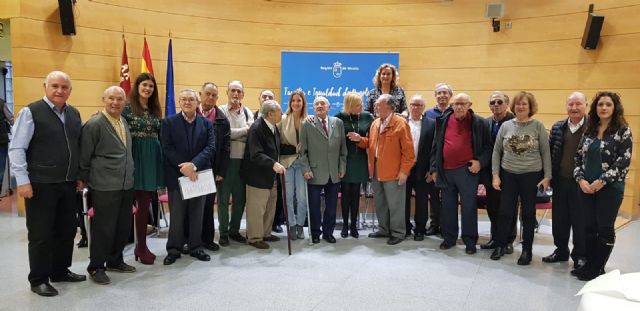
point(330, 74)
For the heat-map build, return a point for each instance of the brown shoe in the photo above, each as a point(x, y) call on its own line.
point(271, 238)
point(259, 244)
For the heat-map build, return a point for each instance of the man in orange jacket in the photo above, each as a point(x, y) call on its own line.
point(391, 156)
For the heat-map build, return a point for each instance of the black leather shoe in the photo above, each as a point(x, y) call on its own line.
point(582, 269)
point(68, 277)
point(185, 249)
point(45, 290)
point(99, 276)
point(224, 241)
point(578, 264)
point(497, 253)
point(418, 237)
point(394, 240)
point(377, 234)
point(83, 242)
point(239, 238)
point(525, 258)
point(432, 230)
point(122, 268)
point(470, 249)
point(170, 259)
point(447, 245)
point(277, 229)
point(212, 246)
point(508, 249)
point(344, 233)
point(489, 245)
point(201, 255)
point(554, 257)
point(354, 233)
point(329, 238)
point(315, 239)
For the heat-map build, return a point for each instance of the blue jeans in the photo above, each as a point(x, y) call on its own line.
point(296, 194)
point(465, 184)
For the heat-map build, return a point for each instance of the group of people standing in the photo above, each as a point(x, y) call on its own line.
point(126, 152)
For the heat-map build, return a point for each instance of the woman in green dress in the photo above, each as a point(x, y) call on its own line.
point(355, 121)
point(143, 114)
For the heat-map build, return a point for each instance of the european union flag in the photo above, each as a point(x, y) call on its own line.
point(169, 104)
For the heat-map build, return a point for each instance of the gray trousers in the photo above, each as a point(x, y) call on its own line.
point(181, 209)
point(389, 199)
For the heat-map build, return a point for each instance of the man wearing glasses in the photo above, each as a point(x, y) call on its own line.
point(498, 103)
point(422, 129)
point(188, 144)
point(462, 149)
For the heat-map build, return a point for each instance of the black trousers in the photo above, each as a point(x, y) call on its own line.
point(568, 215)
point(350, 203)
point(435, 199)
point(493, 211)
point(51, 226)
point(110, 227)
point(424, 193)
point(523, 187)
point(601, 210)
point(180, 210)
point(208, 222)
point(80, 210)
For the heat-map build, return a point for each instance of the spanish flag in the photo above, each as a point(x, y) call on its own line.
point(146, 65)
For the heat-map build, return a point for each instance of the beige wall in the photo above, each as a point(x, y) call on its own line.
point(437, 40)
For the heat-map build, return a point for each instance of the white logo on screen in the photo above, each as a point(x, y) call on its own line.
point(337, 69)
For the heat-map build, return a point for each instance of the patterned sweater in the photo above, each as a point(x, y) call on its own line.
point(615, 152)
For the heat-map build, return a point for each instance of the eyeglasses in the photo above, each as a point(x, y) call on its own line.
point(416, 105)
point(496, 102)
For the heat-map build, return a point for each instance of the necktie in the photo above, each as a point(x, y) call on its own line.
point(324, 127)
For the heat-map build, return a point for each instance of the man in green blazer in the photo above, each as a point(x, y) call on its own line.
point(323, 159)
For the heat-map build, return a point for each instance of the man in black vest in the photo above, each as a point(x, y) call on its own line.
point(567, 214)
point(44, 159)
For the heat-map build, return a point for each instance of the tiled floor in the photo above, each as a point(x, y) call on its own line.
point(363, 274)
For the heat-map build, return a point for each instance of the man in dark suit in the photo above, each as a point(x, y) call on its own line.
point(44, 158)
point(219, 163)
point(499, 105)
point(106, 166)
point(419, 181)
point(259, 171)
point(188, 143)
point(323, 159)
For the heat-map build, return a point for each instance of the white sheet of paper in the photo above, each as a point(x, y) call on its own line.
point(205, 184)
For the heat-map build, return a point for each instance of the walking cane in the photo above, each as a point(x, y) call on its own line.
point(87, 216)
point(286, 210)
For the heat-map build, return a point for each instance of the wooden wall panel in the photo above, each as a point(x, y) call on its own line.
point(438, 41)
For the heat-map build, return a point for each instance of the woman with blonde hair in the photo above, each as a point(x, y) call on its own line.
point(358, 122)
point(289, 128)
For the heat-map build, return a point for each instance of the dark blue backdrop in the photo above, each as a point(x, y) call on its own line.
point(330, 74)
